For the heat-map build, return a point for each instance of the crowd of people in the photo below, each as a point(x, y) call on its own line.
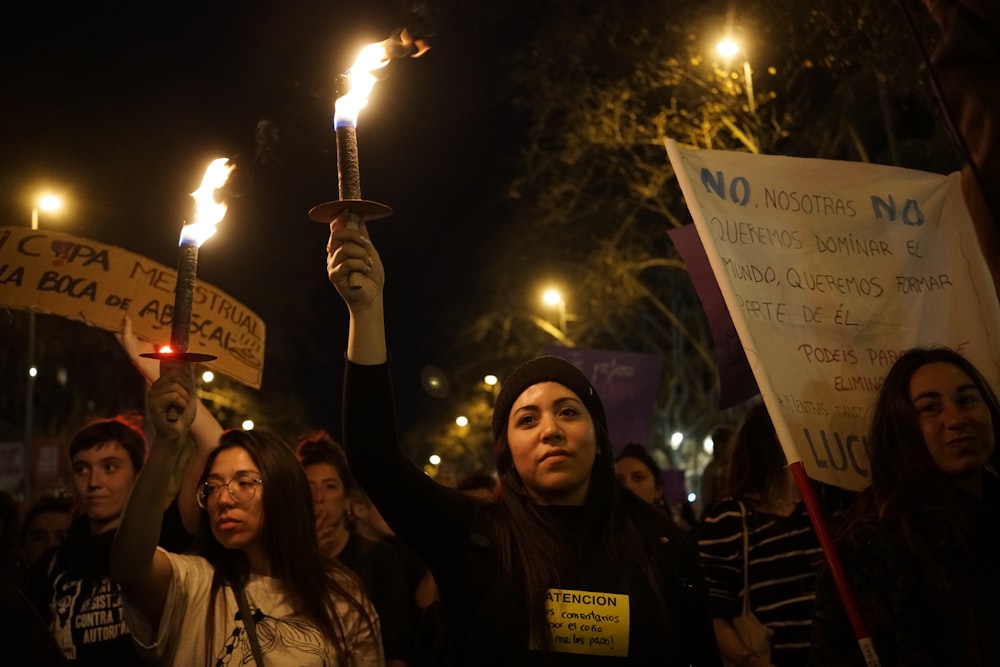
point(557, 521)
point(567, 554)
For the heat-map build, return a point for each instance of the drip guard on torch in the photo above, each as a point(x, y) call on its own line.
point(208, 213)
point(348, 173)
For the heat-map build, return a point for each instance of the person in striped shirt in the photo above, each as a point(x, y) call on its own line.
point(784, 553)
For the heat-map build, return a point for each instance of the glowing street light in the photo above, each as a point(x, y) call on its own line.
point(728, 49)
point(247, 424)
point(49, 203)
point(462, 420)
point(675, 440)
point(553, 297)
point(434, 459)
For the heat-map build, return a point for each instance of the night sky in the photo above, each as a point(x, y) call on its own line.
point(122, 111)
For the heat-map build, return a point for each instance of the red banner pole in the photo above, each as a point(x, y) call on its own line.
point(843, 584)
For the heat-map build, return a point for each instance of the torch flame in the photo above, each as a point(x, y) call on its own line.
point(207, 211)
point(360, 78)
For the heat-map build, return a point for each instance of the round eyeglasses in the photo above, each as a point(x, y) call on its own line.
point(241, 488)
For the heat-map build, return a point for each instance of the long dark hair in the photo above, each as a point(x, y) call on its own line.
point(313, 581)
point(902, 470)
point(908, 496)
point(531, 553)
point(757, 462)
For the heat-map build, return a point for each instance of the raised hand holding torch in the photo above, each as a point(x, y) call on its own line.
point(207, 214)
point(352, 92)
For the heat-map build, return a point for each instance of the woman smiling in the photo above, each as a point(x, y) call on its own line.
point(922, 547)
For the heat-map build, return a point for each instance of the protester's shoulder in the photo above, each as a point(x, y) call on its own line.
point(837, 503)
point(658, 529)
point(38, 580)
point(65, 556)
point(866, 544)
point(24, 634)
point(725, 511)
point(721, 524)
point(383, 552)
point(44, 566)
point(377, 552)
point(187, 560)
point(78, 538)
point(648, 519)
point(347, 579)
point(863, 533)
point(351, 586)
point(189, 567)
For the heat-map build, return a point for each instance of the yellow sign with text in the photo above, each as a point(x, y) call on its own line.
point(87, 281)
point(587, 622)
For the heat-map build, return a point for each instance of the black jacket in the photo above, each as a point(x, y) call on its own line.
point(72, 589)
point(487, 624)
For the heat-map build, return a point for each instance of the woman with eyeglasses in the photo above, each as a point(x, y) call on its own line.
point(257, 589)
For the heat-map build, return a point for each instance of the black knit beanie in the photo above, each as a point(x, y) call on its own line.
point(545, 369)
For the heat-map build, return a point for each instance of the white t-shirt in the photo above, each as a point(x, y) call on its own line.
point(285, 638)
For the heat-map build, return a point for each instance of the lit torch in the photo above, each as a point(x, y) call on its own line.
point(352, 92)
point(207, 214)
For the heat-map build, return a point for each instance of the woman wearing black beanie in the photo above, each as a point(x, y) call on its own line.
point(566, 567)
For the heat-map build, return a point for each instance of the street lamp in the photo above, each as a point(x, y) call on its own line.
point(47, 202)
point(727, 48)
point(552, 297)
point(676, 440)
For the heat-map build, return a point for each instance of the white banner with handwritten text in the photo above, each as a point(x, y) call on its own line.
point(829, 270)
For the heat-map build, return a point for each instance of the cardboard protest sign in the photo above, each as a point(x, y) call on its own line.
point(830, 270)
point(81, 279)
point(588, 623)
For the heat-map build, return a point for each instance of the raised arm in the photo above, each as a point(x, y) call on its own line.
point(350, 252)
point(205, 431)
point(431, 518)
point(141, 570)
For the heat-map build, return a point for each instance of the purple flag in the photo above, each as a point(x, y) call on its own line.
point(627, 382)
point(735, 377)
